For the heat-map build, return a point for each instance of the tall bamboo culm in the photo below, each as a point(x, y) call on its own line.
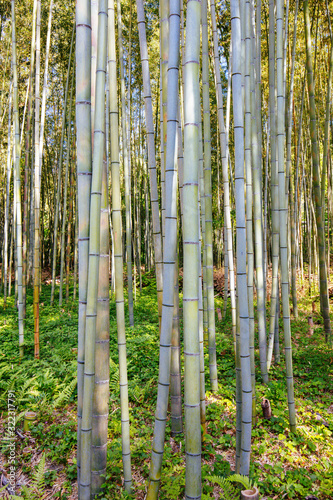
point(37, 186)
point(249, 192)
point(64, 208)
point(208, 202)
point(274, 184)
point(9, 174)
point(27, 148)
point(94, 252)
point(225, 173)
point(57, 202)
point(171, 178)
point(151, 155)
point(169, 253)
point(316, 180)
point(84, 151)
point(283, 212)
point(243, 334)
point(17, 187)
point(191, 251)
point(127, 179)
point(118, 254)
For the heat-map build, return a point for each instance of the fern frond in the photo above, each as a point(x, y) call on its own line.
point(135, 393)
point(230, 492)
point(29, 383)
point(65, 394)
point(28, 493)
point(113, 365)
point(38, 482)
point(114, 380)
point(20, 416)
point(15, 497)
point(243, 480)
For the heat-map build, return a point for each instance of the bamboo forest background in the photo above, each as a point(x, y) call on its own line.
point(166, 220)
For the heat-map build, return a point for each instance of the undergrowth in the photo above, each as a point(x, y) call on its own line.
point(283, 465)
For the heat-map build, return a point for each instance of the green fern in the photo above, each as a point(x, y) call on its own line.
point(36, 489)
point(230, 492)
point(65, 394)
point(38, 477)
point(114, 377)
point(242, 480)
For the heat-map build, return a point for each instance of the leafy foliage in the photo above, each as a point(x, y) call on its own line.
point(293, 466)
point(230, 491)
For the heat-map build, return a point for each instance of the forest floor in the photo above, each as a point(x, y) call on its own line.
point(283, 465)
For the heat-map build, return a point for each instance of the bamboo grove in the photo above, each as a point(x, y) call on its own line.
point(173, 138)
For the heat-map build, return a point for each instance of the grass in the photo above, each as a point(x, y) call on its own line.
point(283, 465)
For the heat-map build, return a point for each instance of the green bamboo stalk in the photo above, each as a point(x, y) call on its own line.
point(201, 193)
point(191, 251)
point(164, 50)
point(316, 181)
point(327, 112)
point(243, 332)
point(118, 255)
point(9, 174)
point(85, 485)
point(45, 85)
point(249, 191)
point(57, 203)
point(37, 187)
point(274, 183)
point(208, 201)
point(169, 253)
point(126, 170)
point(17, 187)
point(70, 224)
point(175, 363)
point(76, 244)
point(283, 213)
point(257, 214)
point(94, 36)
point(11, 244)
point(276, 332)
point(326, 134)
point(42, 114)
point(84, 152)
point(25, 192)
point(288, 169)
point(102, 352)
point(223, 133)
point(151, 154)
point(171, 170)
point(64, 208)
point(28, 141)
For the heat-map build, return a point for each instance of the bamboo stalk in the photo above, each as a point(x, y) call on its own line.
point(118, 254)
point(57, 203)
point(208, 202)
point(37, 187)
point(17, 187)
point(151, 154)
point(64, 208)
point(280, 137)
point(191, 252)
point(316, 181)
point(84, 151)
point(126, 170)
point(85, 486)
point(9, 173)
point(243, 332)
point(169, 252)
